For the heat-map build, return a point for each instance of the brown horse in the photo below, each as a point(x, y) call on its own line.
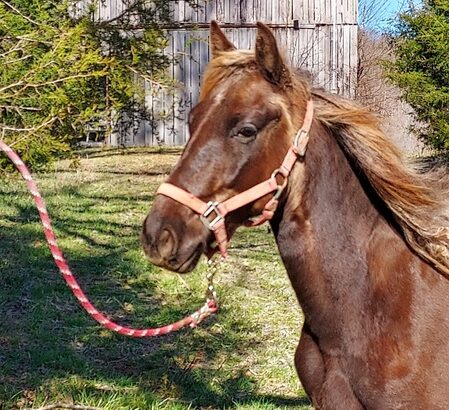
point(364, 237)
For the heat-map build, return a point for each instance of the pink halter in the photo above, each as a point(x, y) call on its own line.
point(212, 213)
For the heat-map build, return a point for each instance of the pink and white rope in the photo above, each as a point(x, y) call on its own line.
point(194, 319)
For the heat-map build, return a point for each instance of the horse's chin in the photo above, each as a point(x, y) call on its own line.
point(190, 263)
point(187, 259)
point(183, 262)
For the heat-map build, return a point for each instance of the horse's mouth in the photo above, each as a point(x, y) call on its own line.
point(191, 262)
point(185, 256)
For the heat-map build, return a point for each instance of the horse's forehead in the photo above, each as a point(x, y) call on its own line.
point(243, 90)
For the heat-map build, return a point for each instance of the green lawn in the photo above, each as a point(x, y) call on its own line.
point(52, 352)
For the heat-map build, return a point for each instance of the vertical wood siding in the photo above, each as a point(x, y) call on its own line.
point(310, 48)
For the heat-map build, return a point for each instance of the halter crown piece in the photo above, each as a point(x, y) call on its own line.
point(213, 213)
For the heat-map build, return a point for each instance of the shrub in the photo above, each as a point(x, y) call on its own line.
point(60, 69)
point(421, 69)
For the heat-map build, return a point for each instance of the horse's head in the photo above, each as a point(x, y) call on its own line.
point(249, 110)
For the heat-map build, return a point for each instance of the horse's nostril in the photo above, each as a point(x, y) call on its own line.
point(166, 244)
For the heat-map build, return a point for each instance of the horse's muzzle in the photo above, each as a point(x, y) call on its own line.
point(173, 237)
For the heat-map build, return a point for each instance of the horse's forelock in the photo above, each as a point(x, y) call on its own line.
point(224, 66)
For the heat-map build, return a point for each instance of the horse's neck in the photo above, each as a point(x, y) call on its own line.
point(326, 227)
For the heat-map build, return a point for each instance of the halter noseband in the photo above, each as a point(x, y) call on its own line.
point(213, 213)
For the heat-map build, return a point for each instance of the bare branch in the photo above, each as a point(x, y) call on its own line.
point(33, 40)
point(18, 12)
point(17, 47)
point(9, 86)
point(30, 131)
point(61, 80)
point(65, 406)
point(17, 60)
point(39, 85)
point(373, 13)
point(22, 81)
point(145, 77)
point(19, 108)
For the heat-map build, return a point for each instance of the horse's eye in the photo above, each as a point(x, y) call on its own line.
point(248, 130)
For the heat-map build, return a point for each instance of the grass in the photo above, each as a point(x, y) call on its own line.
point(51, 351)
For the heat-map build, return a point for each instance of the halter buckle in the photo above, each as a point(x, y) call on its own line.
point(212, 206)
point(300, 142)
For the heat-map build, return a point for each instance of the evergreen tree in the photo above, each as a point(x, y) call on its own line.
point(61, 68)
point(421, 69)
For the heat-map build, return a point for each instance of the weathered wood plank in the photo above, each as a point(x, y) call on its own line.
point(220, 10)
point(178, 38)
point(298, 11)
point(310, 48)
point(211, 11)
point(317, 10)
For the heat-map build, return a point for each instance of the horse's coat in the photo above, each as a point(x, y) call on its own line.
point(364, 238)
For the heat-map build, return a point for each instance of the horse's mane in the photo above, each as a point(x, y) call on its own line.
point(417, 199)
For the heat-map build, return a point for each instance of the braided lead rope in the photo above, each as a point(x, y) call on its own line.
point(210, 307)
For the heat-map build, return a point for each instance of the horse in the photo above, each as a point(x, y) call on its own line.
point(363, 234)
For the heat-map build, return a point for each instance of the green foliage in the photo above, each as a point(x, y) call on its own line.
point(61, 69)
point(53, 352)
point(422, 68)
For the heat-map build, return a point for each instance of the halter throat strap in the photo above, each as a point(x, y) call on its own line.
point(213, 213)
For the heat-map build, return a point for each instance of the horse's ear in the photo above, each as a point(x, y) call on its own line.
point(268, 57)
point(218, 41)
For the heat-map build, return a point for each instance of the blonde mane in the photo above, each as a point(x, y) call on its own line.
point(418, 200)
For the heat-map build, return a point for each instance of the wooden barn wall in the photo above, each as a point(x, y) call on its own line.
point(310, 47)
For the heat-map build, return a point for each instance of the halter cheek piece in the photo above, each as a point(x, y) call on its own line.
point(212, 213)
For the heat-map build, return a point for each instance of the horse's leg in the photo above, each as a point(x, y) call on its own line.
point(336, 392)
point(309, 365)
point(327, 387)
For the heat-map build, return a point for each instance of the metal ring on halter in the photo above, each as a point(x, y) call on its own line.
point(280, 188)
point(212, 206)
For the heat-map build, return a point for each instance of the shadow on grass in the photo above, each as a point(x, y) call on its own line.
point(163, 171)
point(45, 337)
point(122, 151)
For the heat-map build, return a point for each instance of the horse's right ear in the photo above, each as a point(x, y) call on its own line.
point(218, 41)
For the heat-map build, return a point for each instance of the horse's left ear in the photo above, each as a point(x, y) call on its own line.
point(269, 59)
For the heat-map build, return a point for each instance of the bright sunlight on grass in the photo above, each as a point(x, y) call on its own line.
point(52, 352)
